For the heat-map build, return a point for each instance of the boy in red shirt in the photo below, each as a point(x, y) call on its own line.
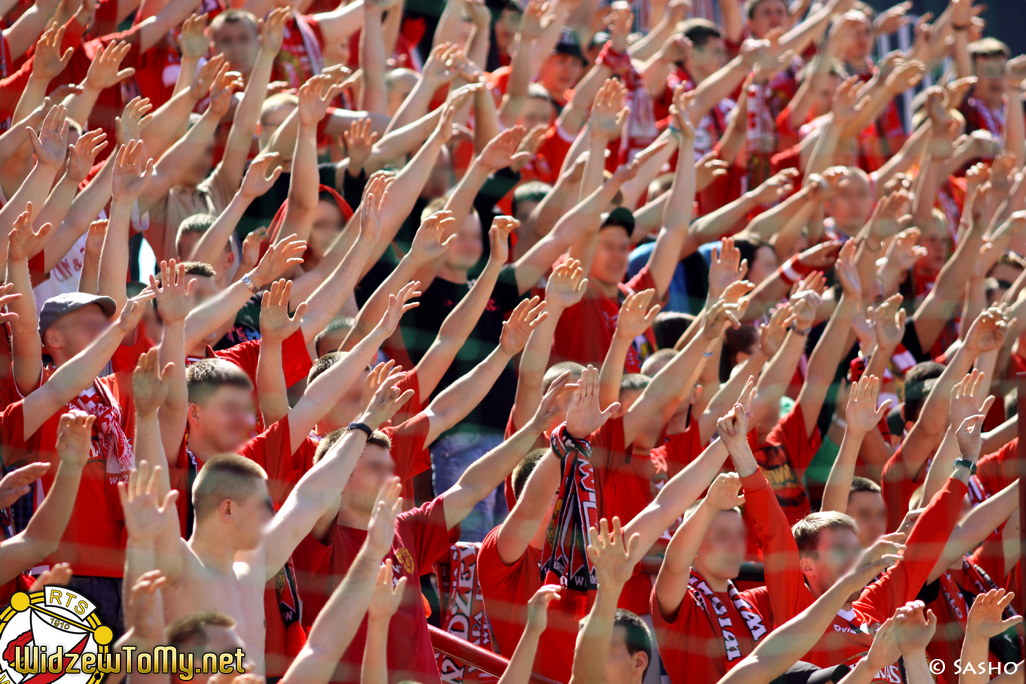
point(423, 535)
point(825, 545)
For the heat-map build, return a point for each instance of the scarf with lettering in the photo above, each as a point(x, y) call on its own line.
point(110, 441)
point(566, 541)
point(300, 57)
point(640, 130)
point(463, 611)
point(1005, 646)
point(736, 640)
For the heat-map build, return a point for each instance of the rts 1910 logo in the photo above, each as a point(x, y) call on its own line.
point(53, 635)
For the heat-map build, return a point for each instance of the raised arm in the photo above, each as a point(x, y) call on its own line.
point(46, 526)
point(861, 416)
point(276, 326)
point(26, 346)
point(986, 620)
point(131, 175)
point(342, 615)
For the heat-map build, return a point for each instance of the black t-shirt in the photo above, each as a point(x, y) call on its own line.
point(420, 326)
point(261, 211)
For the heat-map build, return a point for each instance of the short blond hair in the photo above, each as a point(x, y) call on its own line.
point(808, 530)
point(226, 476)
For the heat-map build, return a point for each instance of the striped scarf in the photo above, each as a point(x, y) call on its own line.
point(566, 541)
point(464, 611)
point(736, 641)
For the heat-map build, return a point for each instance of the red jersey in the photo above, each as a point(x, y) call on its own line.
point(994, 472)
point(302, 51)
point(783, 460)
point(849, 635)
point(586, 329)
point(696, 641)
point(507, 589)
point(421, 539)
point(898, 487)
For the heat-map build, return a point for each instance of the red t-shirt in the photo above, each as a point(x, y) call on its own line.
point(952, 609)
point(848, 636)
point(506, 590)
point(421, 539)
point(691, 641)
point(295, 357)
point(994, 472)
point(783, 460)
point(898, 486)
point(586, 329)
point(294, 63)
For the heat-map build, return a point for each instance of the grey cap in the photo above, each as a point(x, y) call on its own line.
point(66, 302)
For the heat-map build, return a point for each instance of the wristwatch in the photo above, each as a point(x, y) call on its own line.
point(248, 282)
point(967, 464)
point(362, 427)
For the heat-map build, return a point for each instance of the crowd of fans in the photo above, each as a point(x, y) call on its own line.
point(654, 341)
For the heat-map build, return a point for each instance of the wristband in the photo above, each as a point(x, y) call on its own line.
point(362, 427)
point(797, 331)
point(967, 464)
point(793, 270)
point(707, 354)
point(961, 27)
point(250, 285)
point(840, 422)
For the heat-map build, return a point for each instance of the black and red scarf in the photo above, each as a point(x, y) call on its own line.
point(1007, 645)
point(566, 541)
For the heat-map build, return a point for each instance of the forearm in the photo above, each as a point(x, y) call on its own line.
point(170, 167)
point(534, 361)
point(186, 74)
point(768, 223)
point(270, 382)
point(592, 650)
point(460, 398)
point(372, 61)
point(57, 204)
point(975, 649)
point(414, 106)
point(26, 345)
point(114, 257)
point(46, 526)
point(838, 484)
point(303, 186)
point(167, 124)
point(173, 414)
point(777, 375)
point(611, 375)
point(329, 298)
point(728, 393)
point(374, 308)
point(374, 669)
point(32, 96)
point(720, 222)
point(209, 316)
point(215, 239)
point(518, 671)
point(80, 105)
point(718, 86)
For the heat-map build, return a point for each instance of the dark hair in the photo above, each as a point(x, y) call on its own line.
point(638, 637)
point(749, 246)
point(337, 323)
point(1012, 403)
point(198, 224)
point(917, 387)
point(736, 341)
point(864, 484)
point(522, 471)
point(533, 191)
point(377, 438)
point(323, 363)
point(701, 31)
point(191, 629)
point(225, 476)
point(668, 327)
point(205, 377)
point(194, 268)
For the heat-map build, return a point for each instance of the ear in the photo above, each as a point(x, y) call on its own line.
point(52, 339)
point(193, 415)
point(805, 564)
point(226, 510)
point(640, 662)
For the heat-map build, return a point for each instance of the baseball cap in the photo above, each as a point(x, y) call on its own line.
point(620, 216)
point(569, 45)
point(66, 302)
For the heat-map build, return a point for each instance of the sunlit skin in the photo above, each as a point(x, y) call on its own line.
point(706, 59)
point(239, 42)
point(990, 80)
point(612, 256)
point(536, 112)
point(860, 45)
point(73, 332)
point(270, 119)
point(836, 553)
point(870, 512)
point(723, 550)
point(327, 224)
point(219, 640)
point(223, 422)
point(852, 206)
point(560, 73)
point(768, 15)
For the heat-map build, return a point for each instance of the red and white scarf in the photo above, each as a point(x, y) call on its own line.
point(1005, 646)
point(300, 57)
point(736, 641)
point(566, 541)
point(463, 612)
point(640, 130)
point(110, 441)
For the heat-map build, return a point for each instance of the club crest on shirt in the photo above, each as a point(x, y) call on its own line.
point(58, 625)
point(405, 559)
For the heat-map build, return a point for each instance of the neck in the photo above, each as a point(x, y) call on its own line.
point(716, 582)
point(350, 517)
point(199, 445)
point(452, 275)
point(335, 420)
point(695, 74)
point(608, 289)
point(209, 546)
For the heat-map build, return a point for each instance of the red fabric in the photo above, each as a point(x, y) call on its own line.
point(93, 542)
point(994, 472)
point(846, 639)
point(421, 539)
point(272, 451)
point(296, 361)
point(548, 160)
point(784, 458)
point(898, 486)
point(946, 644)
point(586, 329)
point(507, 589)
point(294, 64)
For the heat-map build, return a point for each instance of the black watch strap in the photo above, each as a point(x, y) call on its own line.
point(365, 429)
point(967, 464)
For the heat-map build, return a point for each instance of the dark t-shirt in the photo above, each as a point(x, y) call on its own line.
point(420, 326)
